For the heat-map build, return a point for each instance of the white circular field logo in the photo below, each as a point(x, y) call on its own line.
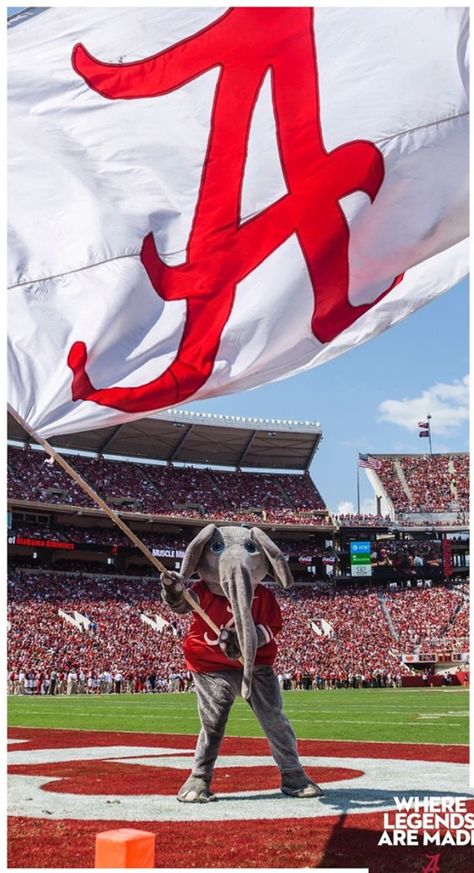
point(139, 783)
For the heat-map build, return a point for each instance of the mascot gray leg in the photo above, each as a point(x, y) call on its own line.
point(216, 693)
point(267, 705)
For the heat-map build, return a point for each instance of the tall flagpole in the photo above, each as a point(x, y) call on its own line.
point(358, 486)
point(428, 418)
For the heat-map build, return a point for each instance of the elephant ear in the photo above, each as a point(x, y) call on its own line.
point(193, 553)
point(279, 567)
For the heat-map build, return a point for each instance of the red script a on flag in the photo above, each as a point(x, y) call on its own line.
point(245, 44)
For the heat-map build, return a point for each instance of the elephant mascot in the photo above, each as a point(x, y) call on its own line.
point(231, 562)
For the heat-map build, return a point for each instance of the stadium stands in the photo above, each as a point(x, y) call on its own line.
point(359, 650)
point(361, 644)
point(425, 483)
point(390, 480)
point(185, 492)
point(41, 641)
point(371, 626)
point(414, 484)
point(458, 629)
point(361, 520)
point(460, 481)
point(423, 618)
point(429, 482)
point(31, 477)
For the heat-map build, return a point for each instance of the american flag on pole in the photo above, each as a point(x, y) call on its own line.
point(202, 201)
point(423, 424)
point(368, 462)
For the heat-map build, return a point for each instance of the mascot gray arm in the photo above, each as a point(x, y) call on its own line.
point(172, 592)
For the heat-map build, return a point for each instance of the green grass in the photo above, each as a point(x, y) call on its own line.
point(388, 715)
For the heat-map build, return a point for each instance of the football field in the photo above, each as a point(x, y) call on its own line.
point(419, 715)
point(80, 765)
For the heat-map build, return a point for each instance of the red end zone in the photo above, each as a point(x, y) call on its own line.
point(65, 786)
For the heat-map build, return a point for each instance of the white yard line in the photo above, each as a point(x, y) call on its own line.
point(157, 718)
point(260, 737)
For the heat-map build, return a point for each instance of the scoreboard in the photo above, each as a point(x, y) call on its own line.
point(361, 564)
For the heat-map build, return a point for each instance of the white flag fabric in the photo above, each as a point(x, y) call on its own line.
point(205, 200)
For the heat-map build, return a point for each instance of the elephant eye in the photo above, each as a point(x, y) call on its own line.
point(250, 548)
point(217, 546)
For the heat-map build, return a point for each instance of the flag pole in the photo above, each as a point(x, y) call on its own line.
point(76, 477)
point(428, 418)
point(358, 487)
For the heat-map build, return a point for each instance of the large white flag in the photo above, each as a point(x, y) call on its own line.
point(205, 200)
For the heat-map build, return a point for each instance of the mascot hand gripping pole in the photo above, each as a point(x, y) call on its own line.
point(231, 562)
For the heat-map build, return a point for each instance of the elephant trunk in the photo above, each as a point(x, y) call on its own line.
point(237, 586)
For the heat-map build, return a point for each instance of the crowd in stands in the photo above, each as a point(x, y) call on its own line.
point(32, 477)
point(297, 547)
point(369, 627)
point(183, 487)
point(45, 532)
point(388, 475)
point(246, 492)
point(433, 483)
point(461, 478)
point(423, 618)
point(458, 628)
point(297, 517)
point(429, 481)
point(358, 519)
point(118, 480)
point(360, 643)
point(302, 491)
point(461, 518)
point(359, 648)
point(185, 492)
point(40, 640)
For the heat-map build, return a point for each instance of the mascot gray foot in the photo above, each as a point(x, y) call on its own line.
point(296, 784)
point(195, 790)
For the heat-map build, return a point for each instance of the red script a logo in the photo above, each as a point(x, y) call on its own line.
point(245, 44)
point(433, 865)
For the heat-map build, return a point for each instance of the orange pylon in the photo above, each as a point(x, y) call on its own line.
point(125, 847)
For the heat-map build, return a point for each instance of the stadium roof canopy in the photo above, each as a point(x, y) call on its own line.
point(198, 438)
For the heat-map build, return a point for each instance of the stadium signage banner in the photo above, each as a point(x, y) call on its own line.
point(206, 200)
point(110, 549)
point(447, 556)
point(167, 553)
point(39, 543)
point(361, 563)
point(435, 657)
